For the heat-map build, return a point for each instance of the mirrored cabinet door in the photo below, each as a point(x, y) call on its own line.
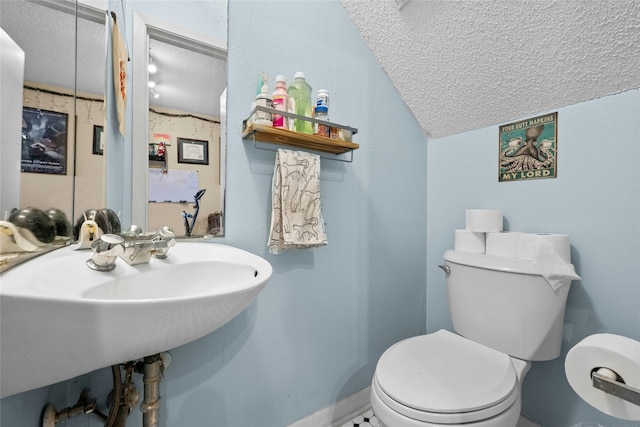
point(46, 32)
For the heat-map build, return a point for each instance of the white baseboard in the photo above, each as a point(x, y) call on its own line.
point(339, 413)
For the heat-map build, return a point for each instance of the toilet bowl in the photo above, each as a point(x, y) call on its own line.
point(505, 315)
point(443, 379)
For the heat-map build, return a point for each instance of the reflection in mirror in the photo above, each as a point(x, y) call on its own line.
point(184, 135)
point(47, 36)
point(90, 171)
point(46, 31)
point(52, 121)
point(185, 152)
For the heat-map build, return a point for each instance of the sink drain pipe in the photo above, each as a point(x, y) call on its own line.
point(124, 396)
point(152, 369)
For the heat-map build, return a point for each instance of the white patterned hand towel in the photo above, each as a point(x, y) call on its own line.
point(296, 218)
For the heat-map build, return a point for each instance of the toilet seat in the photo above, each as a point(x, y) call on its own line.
point(443, 378)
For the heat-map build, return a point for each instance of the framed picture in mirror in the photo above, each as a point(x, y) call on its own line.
point(98, 141)
point(193, 151)
point(44, 141)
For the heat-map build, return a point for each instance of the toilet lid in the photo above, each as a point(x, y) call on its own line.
point(444, 373)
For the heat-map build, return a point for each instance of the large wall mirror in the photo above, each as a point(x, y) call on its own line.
point(180, 65)
point(65, 138)
point(62, 104)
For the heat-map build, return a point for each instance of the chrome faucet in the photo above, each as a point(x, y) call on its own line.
point(105, 252)
point(133, 246)
point(139, 247)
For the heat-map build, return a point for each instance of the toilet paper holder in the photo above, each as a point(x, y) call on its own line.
point(602, 380)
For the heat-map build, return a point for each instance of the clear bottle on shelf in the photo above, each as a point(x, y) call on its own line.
point(321, 113)
point(300, 103)
point(280, 102)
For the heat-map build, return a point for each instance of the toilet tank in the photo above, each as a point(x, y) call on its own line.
point(505, 304)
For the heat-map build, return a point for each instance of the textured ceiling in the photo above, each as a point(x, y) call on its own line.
point(463, 65)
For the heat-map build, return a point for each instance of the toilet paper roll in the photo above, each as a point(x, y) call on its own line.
point(469, 241)
point(504, 244)
point(614, 352)
point(484, 220)
point(530, 246)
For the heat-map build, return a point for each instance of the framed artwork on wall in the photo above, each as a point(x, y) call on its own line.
point(44, 141)
point(528, 149)
point(98, 142)
point(193, 151)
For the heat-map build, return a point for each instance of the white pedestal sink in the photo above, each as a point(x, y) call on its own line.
point(60, 319)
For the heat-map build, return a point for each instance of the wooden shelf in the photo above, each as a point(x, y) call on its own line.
point(297, 139)
point(289, 138)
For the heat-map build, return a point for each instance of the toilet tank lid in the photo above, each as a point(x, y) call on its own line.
point(490, 262)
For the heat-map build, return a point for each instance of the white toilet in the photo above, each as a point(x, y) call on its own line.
point(506, 316)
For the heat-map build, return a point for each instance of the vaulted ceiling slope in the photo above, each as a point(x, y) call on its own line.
point(464, 65)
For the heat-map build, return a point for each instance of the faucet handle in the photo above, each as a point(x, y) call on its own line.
point(168, 234)
point(105, 252)
point(106, 243)
point(164, 239)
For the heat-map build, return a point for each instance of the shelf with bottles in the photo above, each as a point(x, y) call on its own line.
point(282, 136)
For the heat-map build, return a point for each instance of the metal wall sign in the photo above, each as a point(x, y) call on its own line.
point(528, 149)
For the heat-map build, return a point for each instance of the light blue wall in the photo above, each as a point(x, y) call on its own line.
point(315, 333)
point(595, 199)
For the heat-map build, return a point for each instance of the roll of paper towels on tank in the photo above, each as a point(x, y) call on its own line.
point(608, 354)
point(484, 220)
point(469, 241)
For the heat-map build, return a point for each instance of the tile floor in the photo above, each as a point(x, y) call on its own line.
point(365, 420)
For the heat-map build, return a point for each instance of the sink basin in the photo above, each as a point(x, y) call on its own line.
point(60, 319)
